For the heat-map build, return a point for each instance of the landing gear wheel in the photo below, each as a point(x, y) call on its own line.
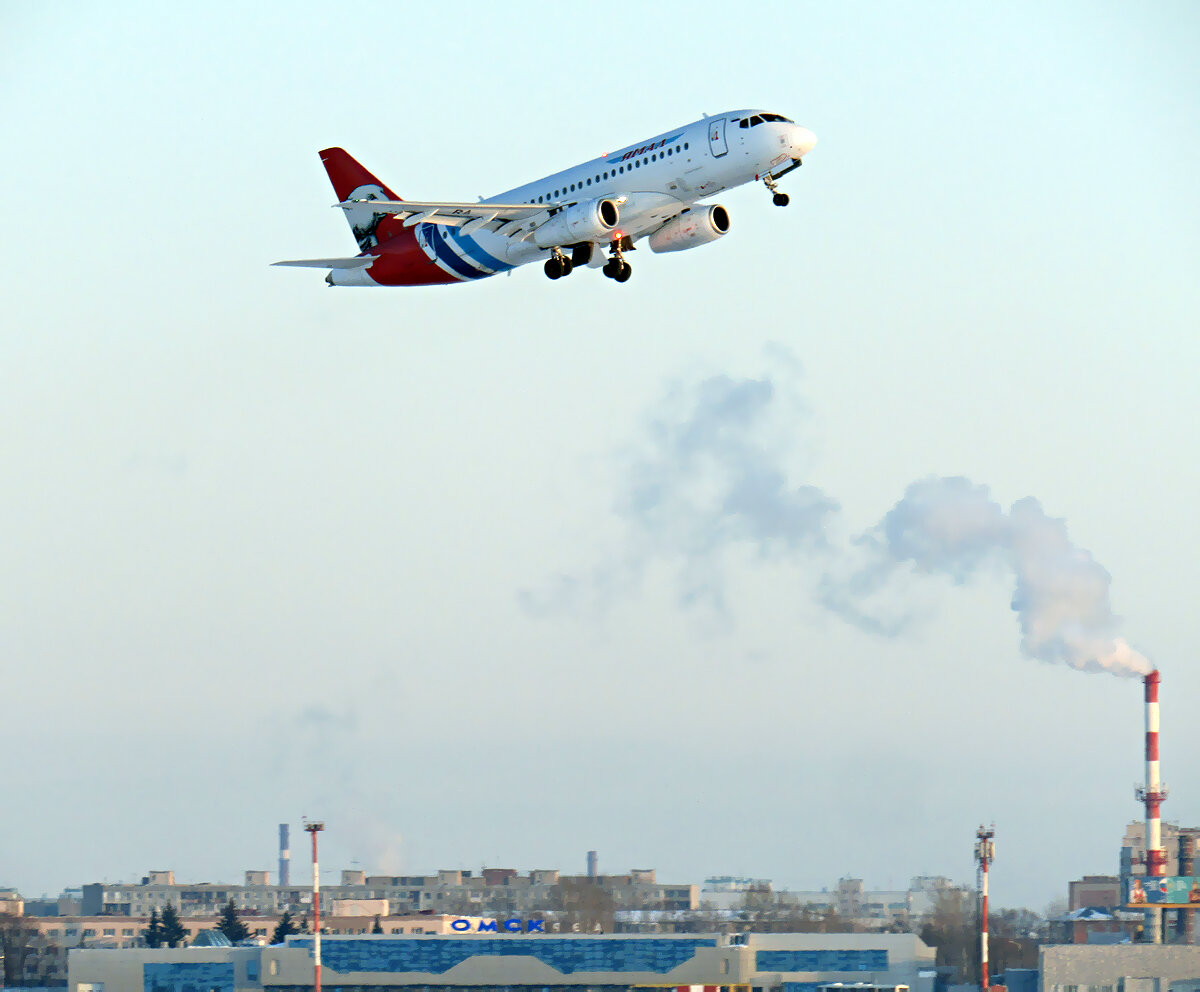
point(616, 267)
point(780, 199)
point(554, 268)
point(567, 266)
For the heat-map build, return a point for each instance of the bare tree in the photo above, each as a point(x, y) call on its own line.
point(16, 947)
point(1014, 936)
point(581, 905)
point(950, 928)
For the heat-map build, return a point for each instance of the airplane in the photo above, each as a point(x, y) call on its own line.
point(648, 190)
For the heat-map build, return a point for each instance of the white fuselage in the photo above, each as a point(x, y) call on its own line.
point(662, 176)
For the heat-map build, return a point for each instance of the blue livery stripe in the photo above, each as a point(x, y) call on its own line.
point(475, 250)
point(446, 255)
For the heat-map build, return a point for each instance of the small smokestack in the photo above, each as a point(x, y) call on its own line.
point(593, 865)
point(285, 856)
point(1183, 919)
point(1152, 795)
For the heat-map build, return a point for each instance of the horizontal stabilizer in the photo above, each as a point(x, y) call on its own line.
point(330, 263)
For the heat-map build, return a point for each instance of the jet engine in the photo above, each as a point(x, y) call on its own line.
point(592, 220)
point(691, 229)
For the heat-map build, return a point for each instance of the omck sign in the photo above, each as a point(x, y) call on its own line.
point(518, 926)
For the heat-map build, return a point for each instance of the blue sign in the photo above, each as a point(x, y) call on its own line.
point(514, 925)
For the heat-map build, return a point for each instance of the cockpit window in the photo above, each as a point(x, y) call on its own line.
point(745, 122)
point(777, 118)
point(755, 120)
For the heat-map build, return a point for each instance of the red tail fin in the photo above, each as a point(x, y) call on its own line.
point(352, 182)
point(347, 176)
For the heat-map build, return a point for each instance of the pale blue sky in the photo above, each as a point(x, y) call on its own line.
point(266, 541)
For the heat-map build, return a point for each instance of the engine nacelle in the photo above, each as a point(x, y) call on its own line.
point(592, 220)
point(692, 228)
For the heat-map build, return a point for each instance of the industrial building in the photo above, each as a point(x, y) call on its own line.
point(1102, 891)
point(1178, 845)
point(49, 939)
point(527, 962)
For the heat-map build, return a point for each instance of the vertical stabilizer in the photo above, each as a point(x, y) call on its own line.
point(352, 182)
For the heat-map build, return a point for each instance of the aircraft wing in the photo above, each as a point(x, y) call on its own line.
point(330, 263)
point(512, 217)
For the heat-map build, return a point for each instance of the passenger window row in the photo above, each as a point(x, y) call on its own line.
point(613, 173)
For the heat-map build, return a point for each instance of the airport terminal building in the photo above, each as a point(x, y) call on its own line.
point(512, 962)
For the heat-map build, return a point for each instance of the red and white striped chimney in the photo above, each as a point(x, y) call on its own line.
point(1152, 795)
point(1154, 792)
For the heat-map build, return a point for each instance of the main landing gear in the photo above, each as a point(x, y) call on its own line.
point(558, 265)
point(616, 267)
point(779, 199)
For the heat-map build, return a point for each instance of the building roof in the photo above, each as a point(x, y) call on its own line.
point(1087, 914)
point(211, 938)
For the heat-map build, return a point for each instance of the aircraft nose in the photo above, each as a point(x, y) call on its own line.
point(803, 141)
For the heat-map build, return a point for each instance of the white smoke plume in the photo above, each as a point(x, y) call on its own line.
point(952, 527)
point(705, 476)
point(711, 475)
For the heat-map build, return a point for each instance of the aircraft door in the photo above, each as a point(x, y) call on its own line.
point(716, 137)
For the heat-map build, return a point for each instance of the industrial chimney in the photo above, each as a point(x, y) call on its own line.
point(593, 865)
point(1187, 849)
point(285, 855)
point(1152, 795)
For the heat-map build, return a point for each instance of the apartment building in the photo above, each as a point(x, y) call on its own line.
point(493, 891)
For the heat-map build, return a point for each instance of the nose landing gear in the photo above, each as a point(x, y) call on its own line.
point(779, 199)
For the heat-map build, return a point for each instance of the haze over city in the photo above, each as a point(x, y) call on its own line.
point(502, 573)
